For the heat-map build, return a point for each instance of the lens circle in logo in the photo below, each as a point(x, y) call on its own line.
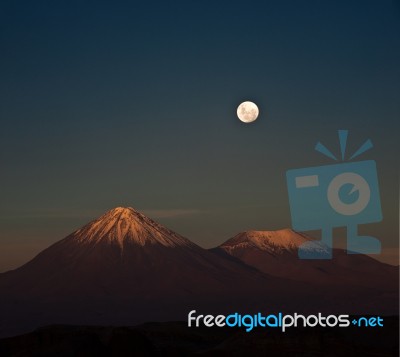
point(359, 184)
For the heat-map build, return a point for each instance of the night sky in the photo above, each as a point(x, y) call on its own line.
point(107, 104)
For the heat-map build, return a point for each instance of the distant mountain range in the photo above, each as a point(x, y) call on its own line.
point(124, 268)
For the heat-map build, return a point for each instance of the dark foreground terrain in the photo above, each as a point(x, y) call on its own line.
point(176, 339)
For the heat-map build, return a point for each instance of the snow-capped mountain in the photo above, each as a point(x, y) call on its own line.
point(274, 242)
point(275, 253)
point(124, 268)
point(123, 226)
point(124, 253)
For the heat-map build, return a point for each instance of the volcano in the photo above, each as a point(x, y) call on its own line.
point(276, 253)
point(124, 269)
point(124, 253)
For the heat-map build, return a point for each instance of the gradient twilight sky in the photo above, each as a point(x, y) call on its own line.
point(107, 104)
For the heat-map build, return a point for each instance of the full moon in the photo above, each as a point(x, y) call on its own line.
point(247, 112)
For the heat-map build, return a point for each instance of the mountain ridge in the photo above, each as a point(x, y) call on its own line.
point(124, 268)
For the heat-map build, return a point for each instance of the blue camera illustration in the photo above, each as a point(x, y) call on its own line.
point(339, 195)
